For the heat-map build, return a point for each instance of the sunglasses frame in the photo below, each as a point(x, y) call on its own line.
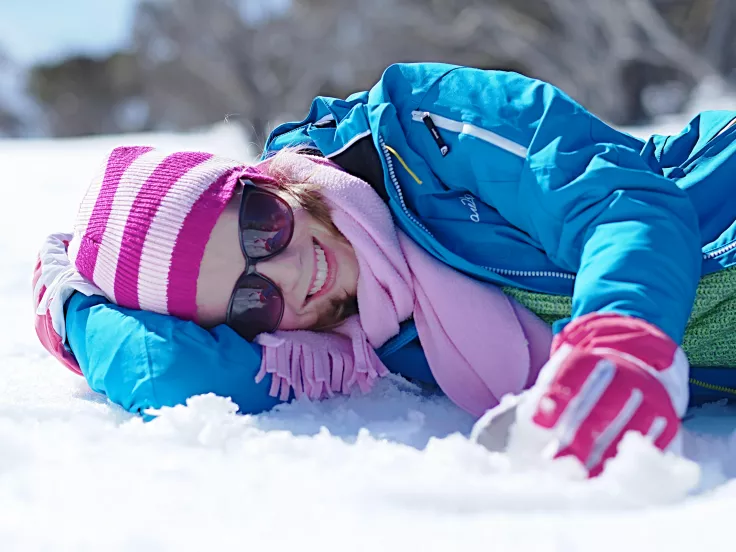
point(249, 187)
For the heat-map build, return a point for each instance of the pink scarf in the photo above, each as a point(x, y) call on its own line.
point(479, 343)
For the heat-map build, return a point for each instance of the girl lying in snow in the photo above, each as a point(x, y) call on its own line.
point(414, 229)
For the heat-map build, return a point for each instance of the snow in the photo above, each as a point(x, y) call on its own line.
point(392, 470)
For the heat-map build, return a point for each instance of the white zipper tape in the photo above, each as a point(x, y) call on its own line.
point(473, 130)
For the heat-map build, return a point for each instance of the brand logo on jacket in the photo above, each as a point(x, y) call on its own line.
point(469, 201)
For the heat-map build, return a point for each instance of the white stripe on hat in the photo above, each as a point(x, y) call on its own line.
point(87, 205)
point(165, 227)
point(135, 176)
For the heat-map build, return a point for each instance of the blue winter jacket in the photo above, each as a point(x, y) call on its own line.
point(504, 178)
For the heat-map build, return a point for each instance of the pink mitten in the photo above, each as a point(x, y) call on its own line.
point(608, 374)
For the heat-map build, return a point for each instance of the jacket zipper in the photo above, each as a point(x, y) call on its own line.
point(532, 273)
point(719, 251)
point(432, 128)
point(705, 385)
point(501, 271)
point(472, 130)
point(390, 164)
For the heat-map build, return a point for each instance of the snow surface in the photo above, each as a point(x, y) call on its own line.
point(389, 471)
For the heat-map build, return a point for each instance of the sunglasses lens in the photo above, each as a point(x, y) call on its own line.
point(266, 224)
point(256, 306)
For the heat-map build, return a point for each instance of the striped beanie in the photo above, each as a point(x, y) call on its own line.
point(142, 227)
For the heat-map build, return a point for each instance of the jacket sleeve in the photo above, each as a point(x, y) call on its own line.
point(144, 360)
point(584, 193)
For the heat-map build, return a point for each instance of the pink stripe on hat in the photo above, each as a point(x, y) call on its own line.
point(136, 175)
point(164, 230)
point(189, 247)
point(141, 215)
point(118, 162)
point(152, 218)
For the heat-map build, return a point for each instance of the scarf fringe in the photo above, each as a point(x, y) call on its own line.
point(299, 362)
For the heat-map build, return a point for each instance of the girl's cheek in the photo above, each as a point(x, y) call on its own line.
point(293, 320)
point(290, 320)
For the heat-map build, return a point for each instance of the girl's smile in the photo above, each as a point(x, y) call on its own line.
point(317, 271)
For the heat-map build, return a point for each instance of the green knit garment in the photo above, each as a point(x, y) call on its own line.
point(709, 336)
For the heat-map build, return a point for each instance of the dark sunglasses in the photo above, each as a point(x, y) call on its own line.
point(266, 226)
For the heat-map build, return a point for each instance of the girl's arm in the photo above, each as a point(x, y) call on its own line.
point(144, 360)
point(584, 194)
point(580, 189)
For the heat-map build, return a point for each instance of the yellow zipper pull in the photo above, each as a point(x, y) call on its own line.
point(403, 164)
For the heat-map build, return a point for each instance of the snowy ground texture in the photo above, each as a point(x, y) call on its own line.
point(389, 471)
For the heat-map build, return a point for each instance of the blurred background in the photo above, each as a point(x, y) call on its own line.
point(86, 67)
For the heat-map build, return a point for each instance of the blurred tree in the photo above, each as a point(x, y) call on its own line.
point(11, 124)
point(605, 53)
point(83, 95)
point(201, 61)
point(195, 62)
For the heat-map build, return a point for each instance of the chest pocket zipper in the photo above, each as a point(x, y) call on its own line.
point(438, 121)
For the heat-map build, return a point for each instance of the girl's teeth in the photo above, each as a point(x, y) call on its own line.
point(321, 276)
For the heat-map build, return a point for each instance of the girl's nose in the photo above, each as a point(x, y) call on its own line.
point(284, 270)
